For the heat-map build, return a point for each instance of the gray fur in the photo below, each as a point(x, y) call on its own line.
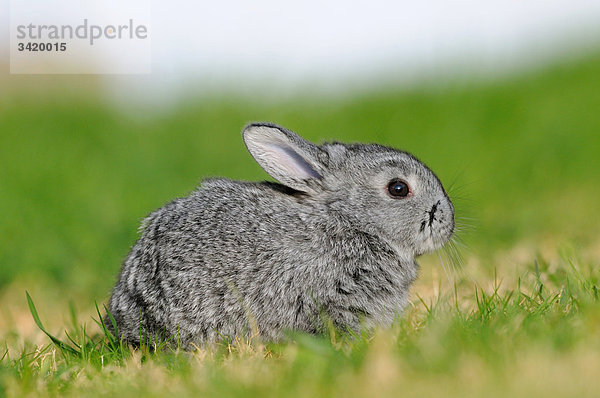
point(233, 258)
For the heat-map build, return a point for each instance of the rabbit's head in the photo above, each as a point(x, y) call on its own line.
point(383, 191)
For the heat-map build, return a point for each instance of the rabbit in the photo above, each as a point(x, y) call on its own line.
point(333, 243)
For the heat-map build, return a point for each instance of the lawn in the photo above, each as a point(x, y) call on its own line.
point(520, 316)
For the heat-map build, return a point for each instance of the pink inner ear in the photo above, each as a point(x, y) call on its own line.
point(290, 163)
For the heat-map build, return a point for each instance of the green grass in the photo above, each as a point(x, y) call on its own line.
point(522, 318)
point(534, 337)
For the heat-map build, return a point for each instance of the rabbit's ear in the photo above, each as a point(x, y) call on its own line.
point(286, 156)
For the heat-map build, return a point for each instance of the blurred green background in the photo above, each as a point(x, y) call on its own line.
point(78, 173)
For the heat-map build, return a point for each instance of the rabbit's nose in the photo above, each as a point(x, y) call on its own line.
point(432, 212)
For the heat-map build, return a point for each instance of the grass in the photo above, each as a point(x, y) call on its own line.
point(538, 335)
point(521, 318)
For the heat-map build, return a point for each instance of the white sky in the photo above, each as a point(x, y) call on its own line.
point(328, 43)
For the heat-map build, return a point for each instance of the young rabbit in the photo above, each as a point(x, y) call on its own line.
point(335, 241)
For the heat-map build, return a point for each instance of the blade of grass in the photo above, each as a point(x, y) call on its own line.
point(61, 345)
point(111, 338)
point(72, 340)
point(112, 321)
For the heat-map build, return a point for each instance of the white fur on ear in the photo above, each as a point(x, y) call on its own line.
point(286, 160)
point(283, 154)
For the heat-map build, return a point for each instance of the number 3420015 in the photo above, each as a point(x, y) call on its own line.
point(42, 46)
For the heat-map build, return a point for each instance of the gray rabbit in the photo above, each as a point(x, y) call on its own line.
point(334, 242)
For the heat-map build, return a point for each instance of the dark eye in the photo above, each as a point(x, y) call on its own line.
point(398, 189)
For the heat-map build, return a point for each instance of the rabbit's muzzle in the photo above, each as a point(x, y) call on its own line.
point(437, 225)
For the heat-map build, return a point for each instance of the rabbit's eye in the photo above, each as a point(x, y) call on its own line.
point(398, 189)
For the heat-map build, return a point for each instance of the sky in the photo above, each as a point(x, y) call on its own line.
point(330, 44)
